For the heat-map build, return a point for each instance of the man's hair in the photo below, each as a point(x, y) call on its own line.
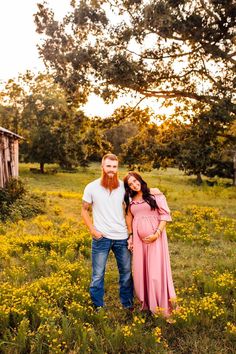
point(110, 156)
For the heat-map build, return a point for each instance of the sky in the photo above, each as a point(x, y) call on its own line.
point(18, 38)
point(18, 44)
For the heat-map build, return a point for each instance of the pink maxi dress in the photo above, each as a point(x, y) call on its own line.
point(153, 282)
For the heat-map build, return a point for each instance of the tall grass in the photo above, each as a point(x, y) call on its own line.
point(45, 273)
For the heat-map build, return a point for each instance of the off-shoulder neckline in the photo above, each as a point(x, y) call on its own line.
point(139, 201)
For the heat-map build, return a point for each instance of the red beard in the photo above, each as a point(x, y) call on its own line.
point(109, 182)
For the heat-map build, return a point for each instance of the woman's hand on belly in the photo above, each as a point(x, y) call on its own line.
point(151, 238)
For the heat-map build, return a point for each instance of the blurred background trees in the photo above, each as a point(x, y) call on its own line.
point(182, 53)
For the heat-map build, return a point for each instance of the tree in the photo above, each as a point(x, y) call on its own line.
point(12, 101)
point(125, 123)
point(44, 110)
point(223, 162)
point(118, 135)
point(141, 150)
point(57, 131)
point(5, 117)
point(197, 146)
point(93, 145)
point(179, 49)
point(199, 141)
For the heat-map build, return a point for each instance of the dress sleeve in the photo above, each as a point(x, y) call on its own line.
point(163, 209)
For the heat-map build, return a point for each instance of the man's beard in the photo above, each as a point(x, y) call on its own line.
point(109, 182)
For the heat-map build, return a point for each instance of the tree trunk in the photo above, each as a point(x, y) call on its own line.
point(42, 167)
point(199, 179)
point(234, 177)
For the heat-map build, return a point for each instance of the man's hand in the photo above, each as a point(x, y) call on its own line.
point(86, 207)
point(155, 191)
point(96, 234)
point(130, 244)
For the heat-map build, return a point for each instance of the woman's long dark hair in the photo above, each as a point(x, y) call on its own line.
point(129, 193)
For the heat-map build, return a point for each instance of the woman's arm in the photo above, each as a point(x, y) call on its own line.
point(155, 191)
point(129, 220)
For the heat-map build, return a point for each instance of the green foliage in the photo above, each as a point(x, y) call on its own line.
point(119, 135)
point(140, 151)
point(6, 114)
point(125, 123)
point(53, 127)
point(44, 117)
point(198, 224)
point(13, 190)
point(187, 36)
point(92, 144)
point(45, 273)
point(16, 202)
point(223, 158)
point(191, 62)
point(13, 99)
point(199, 141)
point(201, 144)
point(27, 207)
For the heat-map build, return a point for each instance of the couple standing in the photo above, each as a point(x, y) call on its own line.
point(141, 230)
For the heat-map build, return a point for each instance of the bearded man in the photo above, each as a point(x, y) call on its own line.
point(108, 230)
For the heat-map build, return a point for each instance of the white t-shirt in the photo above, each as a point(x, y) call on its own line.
point(108, 213)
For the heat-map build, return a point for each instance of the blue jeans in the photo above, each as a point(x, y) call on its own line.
point(100, 251)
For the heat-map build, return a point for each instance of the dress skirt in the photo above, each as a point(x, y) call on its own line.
point(152, 275)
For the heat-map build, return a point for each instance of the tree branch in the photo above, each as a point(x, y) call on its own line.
point(208, 75)
point(210, 13)
point(232, 55)
point(164, 56)
point(176, 94)
point(211, 48)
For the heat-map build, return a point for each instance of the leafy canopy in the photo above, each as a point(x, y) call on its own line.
point(165, 49)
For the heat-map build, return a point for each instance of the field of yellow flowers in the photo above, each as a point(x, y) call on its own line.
point(45, 273)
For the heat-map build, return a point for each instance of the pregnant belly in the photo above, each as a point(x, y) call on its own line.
point(146, 227)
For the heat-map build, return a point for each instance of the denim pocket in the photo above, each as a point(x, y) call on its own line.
point(98, 239)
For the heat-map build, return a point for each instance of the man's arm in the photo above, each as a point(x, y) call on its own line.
point(86, 207)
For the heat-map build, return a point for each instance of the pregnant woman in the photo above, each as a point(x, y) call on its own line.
point(146, 217)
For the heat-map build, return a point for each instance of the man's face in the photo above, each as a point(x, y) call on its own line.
point(110, 167)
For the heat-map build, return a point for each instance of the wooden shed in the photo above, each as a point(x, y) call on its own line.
point(9, 155)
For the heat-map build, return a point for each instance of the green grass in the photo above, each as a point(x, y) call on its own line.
point(179, 189)
point(45, 272)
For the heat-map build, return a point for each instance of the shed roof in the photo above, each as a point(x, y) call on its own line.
point(8, 132)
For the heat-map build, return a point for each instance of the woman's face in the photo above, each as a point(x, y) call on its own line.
point(134, 184)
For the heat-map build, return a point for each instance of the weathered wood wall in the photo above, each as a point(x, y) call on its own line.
point(8, 157)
